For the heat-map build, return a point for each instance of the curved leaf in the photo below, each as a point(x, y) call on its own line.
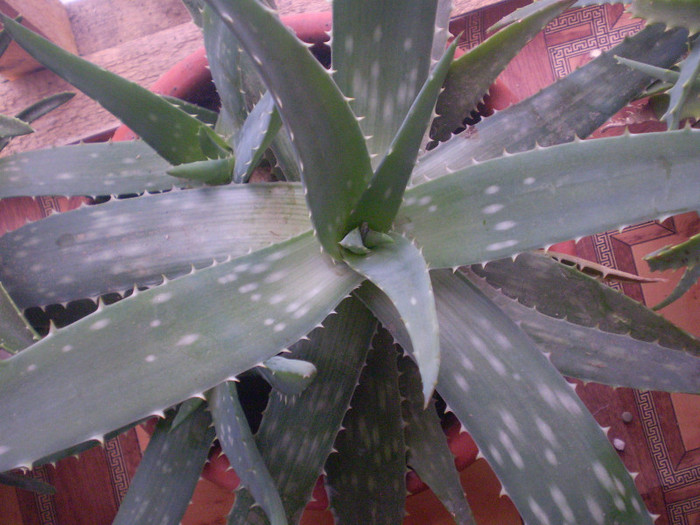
point(471, 75)
point(169, 470)
point(238, 444)
point(514, 203)
point(672, 13)
point(257, 133)
point(381, 59)
point(390, 267)
point(332, 154)
point(167, 129)
point(201, 329)
point(288, 376)
point(683, 88)
point(573, 106)
point(114, 246)
point(15, 332)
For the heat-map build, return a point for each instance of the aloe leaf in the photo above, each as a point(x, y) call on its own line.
point(13, 127)
point(87, 169)
point(584, 301)
point(682, 89)
point(44, 106)
point(510, 204)
point(288, 376)
point(204, 115)
point(332, 154)
point(673, 257)
point(169, 470)
point(184, 411)
point(313, 418)
point(599, 271)
point(471, 75)
point(581, 344)
point(212, 172)
point(573, 106)
point(238, 444)
point(366, 476)
point(5, 41)
point(390, 267)
point(672, 13)
point(382, 198)
point(137, 241)
point(367, 37)
point(428, 453)
point(667, 75)
point(258, 131)
point(168, 130)
point(26, 483)
point(526, 420)
point(15, 332)
point(238, 314)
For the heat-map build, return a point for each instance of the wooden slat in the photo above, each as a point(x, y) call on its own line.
point(46, 17)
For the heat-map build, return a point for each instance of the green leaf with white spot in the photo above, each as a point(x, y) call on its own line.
point(288, 376)
point(332, 154)
point(237, 313)
point(390, 267)
point(366, 37)
point(471, 74)
point(169, 470)
point(15, 332)
point(574, 106)
point(113, 168)
point(366, 476)
point(238, 444)
point(673, 257)
point(313, 418)
point(510, 204)
point(529, 423)
point(590, 331)
point(428, 453)
point(672, 13)
point(13, 127)
point(382, 198)
point(256, 135)
point(168, 130)
point(685, 85)
point(137, 241)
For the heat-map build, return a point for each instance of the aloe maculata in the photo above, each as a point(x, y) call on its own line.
point(220, 277)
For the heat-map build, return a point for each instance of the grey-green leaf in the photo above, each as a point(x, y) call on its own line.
point(682, 89)
point(366, 37)
point(684, 254)
point(525, 418)
point(113, 168)
point(137, 241)
point(145, 342)
point(167, 129)
point(590, 351)
point(169, 470)
point(288, 376)
point(13, 127)
point(528, 200)
point(257, 133)
point(471, 75)
point(332, 154)
point(573, 106)
point(314, 417)
point(15, 332)
point(238, 444)
point(382, 198)
point(390, 267)
point(559, 291)
point(366, 476)
point(428, 453)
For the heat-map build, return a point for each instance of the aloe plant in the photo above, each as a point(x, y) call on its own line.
point(293, 278)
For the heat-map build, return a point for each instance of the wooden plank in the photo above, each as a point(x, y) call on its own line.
point(99, 25)
point(141, 60)
point(46, 17)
